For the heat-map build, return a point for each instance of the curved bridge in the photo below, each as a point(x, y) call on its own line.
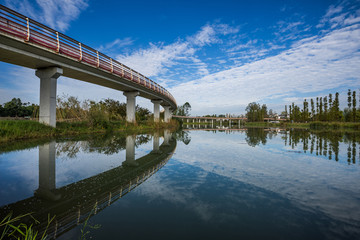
point(28, 43)
point(73, 203)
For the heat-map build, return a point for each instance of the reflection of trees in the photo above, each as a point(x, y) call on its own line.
point(324, 143)
point(106, 144)
point(183, 136)
point(255, 136)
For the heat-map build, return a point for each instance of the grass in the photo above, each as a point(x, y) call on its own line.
point(11, 130)
point(12, 229)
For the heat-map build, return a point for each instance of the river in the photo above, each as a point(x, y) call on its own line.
point(195, 184)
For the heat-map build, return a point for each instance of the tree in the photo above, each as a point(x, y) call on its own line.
point(290, 113)
point(321, 115)
point(354, 106)
point(142, 113)
point(15, 108)
point(254, 113)
point(264, 112)
point(325, 109)
point(312, 110)
point(305, 117)
point(183, 110)
point(317, 109)
point(336, 113)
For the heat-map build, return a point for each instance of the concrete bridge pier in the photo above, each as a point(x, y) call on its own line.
point(156, 109)
point(130, 151)
point(167, 136)
point(212, 123)
point(48, 80)
point(47, 181)
point(167, 113)
point(156, 148)
point(130, 105)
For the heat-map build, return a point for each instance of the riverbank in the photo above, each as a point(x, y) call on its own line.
point(311, 125)
point(12, 130)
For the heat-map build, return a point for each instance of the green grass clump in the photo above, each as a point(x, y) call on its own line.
point(13, 228)
point(19, 129)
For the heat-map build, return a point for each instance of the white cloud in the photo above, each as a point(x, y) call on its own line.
point(56, 14)
point(116, 44)
point(158, 58)
point(315, 64)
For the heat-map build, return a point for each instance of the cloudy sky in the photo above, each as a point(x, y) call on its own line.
point(217, 55)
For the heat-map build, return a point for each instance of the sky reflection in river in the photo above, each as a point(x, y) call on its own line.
point(253, 184)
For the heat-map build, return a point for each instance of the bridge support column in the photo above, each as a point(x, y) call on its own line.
point(130, 106)
point(167, 136)
point(47, 166)
point(156, 109)
point(130, 151)
point(48, 79)
point(156, 143)
point(47, 180)
point(167, 114)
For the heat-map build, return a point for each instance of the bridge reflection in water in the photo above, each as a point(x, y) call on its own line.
point(73, 203)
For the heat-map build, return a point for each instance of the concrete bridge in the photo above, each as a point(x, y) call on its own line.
point(28, 43)
point(73, 203)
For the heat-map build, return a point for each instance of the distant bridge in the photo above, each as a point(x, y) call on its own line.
point(231, 120)
point(31, 44)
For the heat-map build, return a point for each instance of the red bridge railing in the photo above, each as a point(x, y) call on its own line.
point(25, 29)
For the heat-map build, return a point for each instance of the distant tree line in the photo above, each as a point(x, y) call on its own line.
point(16, 108)
point(325, 109)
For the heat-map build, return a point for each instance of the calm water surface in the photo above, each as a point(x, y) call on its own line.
point(252, 184)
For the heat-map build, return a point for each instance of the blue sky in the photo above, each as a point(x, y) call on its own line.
point(217, 55)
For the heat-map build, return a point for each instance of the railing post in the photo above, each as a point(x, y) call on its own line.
point(58, 42)
point(28, 29)
point(80, 58)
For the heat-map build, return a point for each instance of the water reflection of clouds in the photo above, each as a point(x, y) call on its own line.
point(221, 202)
point(19, 175)
point(308, 180)
point(182, 192)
